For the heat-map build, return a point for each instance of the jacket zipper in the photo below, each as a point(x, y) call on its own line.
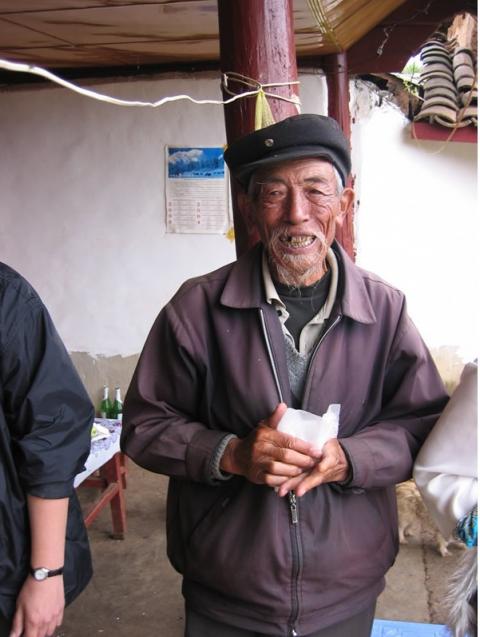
point(297, 557)
point(293, 506)
point(296, 562)
point(270, 355)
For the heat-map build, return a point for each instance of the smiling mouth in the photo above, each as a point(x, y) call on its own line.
point(301, 241)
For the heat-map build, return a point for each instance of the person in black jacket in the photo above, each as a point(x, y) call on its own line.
point(45, 423)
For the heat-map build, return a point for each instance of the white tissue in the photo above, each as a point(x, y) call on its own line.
point(310, 427)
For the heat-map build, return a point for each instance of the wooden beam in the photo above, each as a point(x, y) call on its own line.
point(256, 41)
point(387, 47)
point(336, 74)
point(464, 31)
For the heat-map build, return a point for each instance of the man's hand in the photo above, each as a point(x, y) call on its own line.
point(39, 608)
point(267, 456)
point(333, 467)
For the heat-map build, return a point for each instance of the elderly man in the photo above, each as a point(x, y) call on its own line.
point(272, 536)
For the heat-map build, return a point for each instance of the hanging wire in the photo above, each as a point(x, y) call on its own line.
point(256, 88)
point(388, 30)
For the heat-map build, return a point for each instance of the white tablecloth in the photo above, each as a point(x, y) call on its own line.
point(102, 450)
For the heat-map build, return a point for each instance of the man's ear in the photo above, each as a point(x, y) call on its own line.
point(346, 202)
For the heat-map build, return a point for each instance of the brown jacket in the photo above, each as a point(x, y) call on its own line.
point(247, 558)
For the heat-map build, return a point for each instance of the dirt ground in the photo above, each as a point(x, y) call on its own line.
point(135, 591)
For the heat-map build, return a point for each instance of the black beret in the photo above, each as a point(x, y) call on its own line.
point(292, 138)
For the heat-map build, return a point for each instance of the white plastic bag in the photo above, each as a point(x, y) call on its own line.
point(310, 427)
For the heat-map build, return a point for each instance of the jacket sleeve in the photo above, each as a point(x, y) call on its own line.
point(413, 396)
point(48, 411)
point(446, 467)
point(162, 429)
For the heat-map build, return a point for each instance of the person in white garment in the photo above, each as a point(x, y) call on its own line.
point(446, 474)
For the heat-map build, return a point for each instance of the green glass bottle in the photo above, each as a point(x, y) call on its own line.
point(117, 408)
point(106, 406)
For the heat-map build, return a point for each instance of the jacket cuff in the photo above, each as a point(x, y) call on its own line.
point(361, 462)
point(215, 472)
point(51, 491)
point(200, 451)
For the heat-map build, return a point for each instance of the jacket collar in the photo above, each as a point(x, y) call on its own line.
point(244, 287)
point(354, 297)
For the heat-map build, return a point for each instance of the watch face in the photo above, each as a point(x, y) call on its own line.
point(40, 574)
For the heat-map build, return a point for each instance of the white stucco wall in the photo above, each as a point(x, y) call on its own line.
point(83, 197)
point(416, 223)
point(83, 206)
point(83, 215)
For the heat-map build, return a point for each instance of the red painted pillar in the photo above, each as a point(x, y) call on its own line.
point(256, 41)
point(336, 72)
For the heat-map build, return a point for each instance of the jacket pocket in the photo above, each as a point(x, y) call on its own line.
point(351, 544)
point(241, 548)
point(210, 519)
point(193, 509)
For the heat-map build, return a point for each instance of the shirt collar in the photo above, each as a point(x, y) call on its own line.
point(243, 287)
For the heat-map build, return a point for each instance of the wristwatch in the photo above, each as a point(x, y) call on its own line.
point(42, 573)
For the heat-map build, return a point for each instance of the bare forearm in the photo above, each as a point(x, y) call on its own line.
point(48, 520)
point(40, 604)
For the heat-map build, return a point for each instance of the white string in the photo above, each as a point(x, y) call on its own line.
point(257, 88)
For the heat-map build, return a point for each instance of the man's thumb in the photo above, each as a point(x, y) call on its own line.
point(277, 415)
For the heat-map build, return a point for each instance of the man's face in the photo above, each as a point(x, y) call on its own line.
point(296, 207)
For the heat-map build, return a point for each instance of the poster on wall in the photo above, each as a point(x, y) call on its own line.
point(196, 190)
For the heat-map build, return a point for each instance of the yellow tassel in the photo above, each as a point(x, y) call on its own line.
point(230, 234)
point(263, 113)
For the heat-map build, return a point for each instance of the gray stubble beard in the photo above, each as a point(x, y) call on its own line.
point(291, 272)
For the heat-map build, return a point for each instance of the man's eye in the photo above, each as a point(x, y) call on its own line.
point(272, 195)
point(316, 195)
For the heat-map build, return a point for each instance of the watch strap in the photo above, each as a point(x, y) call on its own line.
point(48, 572)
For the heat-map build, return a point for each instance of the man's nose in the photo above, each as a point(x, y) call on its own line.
point(297, 210)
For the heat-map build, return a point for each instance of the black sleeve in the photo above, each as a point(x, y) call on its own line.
point(48, 412)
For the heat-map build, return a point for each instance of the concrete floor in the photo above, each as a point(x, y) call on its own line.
point(135, 591)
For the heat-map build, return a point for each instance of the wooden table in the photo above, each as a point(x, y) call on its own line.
point(105, 470)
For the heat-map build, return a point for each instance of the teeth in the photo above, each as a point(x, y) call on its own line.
point(299, 242)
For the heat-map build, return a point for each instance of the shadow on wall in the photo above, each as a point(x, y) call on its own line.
point(97, 371)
